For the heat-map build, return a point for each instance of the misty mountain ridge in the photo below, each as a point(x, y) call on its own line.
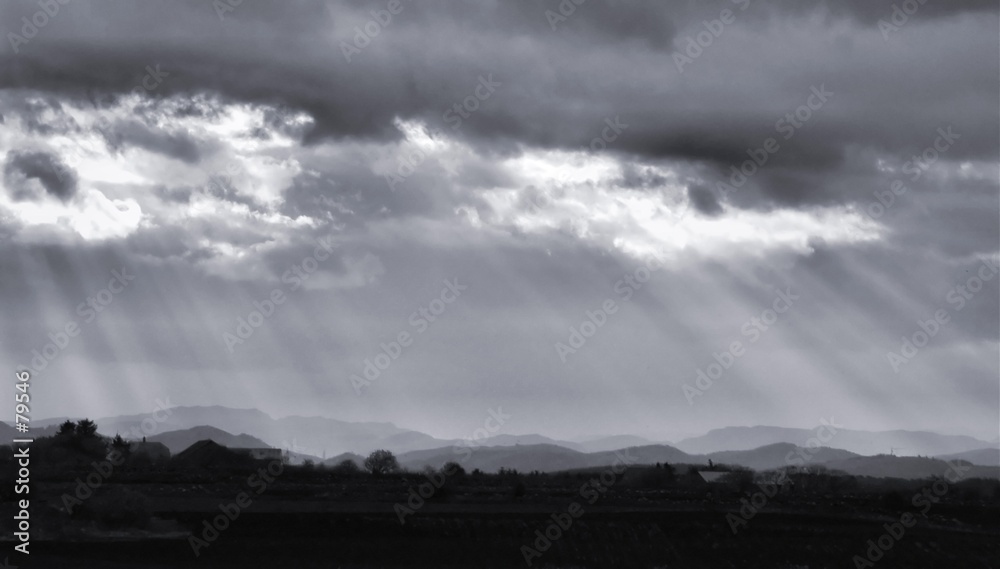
point(867, 443)
point(178, 441)
point(326, 437)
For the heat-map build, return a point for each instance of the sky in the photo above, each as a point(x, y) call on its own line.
point(572, 213)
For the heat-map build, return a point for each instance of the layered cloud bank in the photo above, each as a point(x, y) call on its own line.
point(539, 152)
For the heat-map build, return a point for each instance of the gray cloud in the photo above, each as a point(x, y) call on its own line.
point(704, 200)
point(55, 178)
point(204, 259)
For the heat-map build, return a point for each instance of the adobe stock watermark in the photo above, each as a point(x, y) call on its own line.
point(230, 512)
point(915, 167)
point(223, 7)
point(218, 183)
point(436, 480)
point(294, 277)
point(590, 492)
point(924, 500)
point(47, 11)
point(366, 33)
point(787, 126)
point(566, 9)
point(420, 320)
point(899, 17)
point(753, 329)
point(151, 80)
point(151, 424)
point(696, 46)
point(928, 329)
point(625, 287)
point(89, 310)
point(769, 489)
point(463, 109)
point(609, 134)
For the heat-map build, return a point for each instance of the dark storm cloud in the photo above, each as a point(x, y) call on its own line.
point(38, 112)
point(56, 178)
point(634, 177)
point(178, 195)
point(704, 200)
point(178, 145)
point(869, 12)
point(431, 54)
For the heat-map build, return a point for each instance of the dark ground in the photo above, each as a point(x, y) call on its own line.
point(352, 525)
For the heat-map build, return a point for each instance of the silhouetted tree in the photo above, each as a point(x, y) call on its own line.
point(346, 466)
point(381, 462)
point(453, 469)
point(668, 473)
point(85, 428)
point(68, 428)
point(121, 445)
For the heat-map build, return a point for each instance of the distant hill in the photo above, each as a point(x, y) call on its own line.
point(779, 455)
point(542, 457)
point(298, 458)
point(907, 467)
point(211, 455)
point(151, 449)
point(53, 421)
point(322, 436)
point(357, 458)
point(8, 432)
point(546, 458)
point(649, 454)
point(611, 443)
point(306, 435)
point(552, 458)
point(531, 439)
point(177, 441)
point(314, 436)
point(868, 443)
point(981, 457)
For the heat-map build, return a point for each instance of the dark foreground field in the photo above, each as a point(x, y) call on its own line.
point(301, 532)
point(602, 539)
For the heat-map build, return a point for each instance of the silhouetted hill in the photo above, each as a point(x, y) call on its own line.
point(546, 458)
point(321, 436)
point(177, 441)
point(611, 443)
point(529, 439)
point(308, 435)
point(779, 455)
point(150, 449)
point(357, 458)
point(866, 443)
point(8, 432)
point(297, 458)
point(649, 454)
point(981, 457)
point(552, 458)
point(543, 457)
point(906, 467)
point(210, 455)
